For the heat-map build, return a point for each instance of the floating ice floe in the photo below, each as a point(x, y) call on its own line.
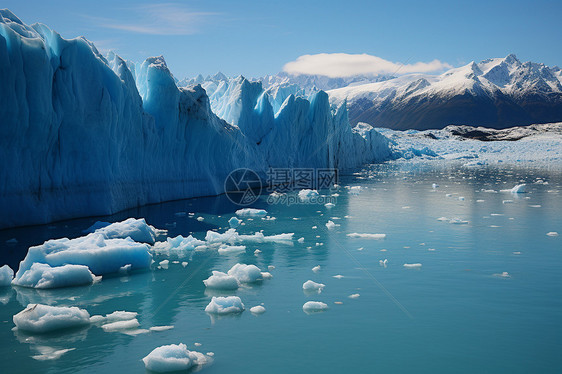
point(329, 205)
point(383, 262)
point(413, 266)
point(366, 236)
point(225, 249)
point(552, 233)
point(246, 273)
point(338, 276)
point(6, 275)
point(300, 240)
point(307, 195)
point(160, 328)
point(354, 296)
point(121, 325)
point(39, 318)
point(258, 309)
point(314, 306)
point(225, 305)
point(251, 212)
point(222, 281)
point(331, 225)
point(164, 264)
point(234, 222)
point(100, 254)
point(311, 286)
point(114, 317)
point(316, 269)
point(173, 357)
point(458, 221)
point(44, 276)
point(504, 274)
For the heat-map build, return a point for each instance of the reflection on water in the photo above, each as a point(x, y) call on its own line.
point(452, 314)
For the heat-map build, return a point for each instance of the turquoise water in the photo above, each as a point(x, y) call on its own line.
point(451, 315)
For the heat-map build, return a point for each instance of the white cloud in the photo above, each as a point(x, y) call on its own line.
point(159, 19)
point(335, 65)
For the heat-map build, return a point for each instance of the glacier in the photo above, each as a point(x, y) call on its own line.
point(86, 135)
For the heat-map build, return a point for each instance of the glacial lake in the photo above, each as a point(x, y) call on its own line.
point(487, 298)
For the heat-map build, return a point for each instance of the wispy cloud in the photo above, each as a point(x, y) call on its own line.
point(335, 65)
point(159, 19)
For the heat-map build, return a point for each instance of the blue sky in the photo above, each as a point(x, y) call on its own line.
point(254, 38)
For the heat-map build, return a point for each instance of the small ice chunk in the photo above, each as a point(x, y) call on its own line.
point(121, 325)
point(552, 233)
point(6, 275)
point(329, 205)
point(184, 264)
point(308, 195)
point(200, 219)
point(366, 236)
point(161, 328)
point(507, 201)
point(164, 264)
point(354, 296)
point(316, 269)
point(339, 276)
point(225, 249)
point(257, 252)
point(234, 222)
point(314, 306)
point(222, 281)
point(461, 198)
point(271, 267)
point(354, 190)
point(311, 286)
point(505, 274)
point(39, 318)
point(458, 221)
point(434, 186)
point(300, 240)
point(225, 305)
point(173, 357)
point(266, 275)
point(245, 273)
point(258, 309)
point(413, 266)
point(331, 225)
point(251, 212)
point(520, 188)
point(383, 262)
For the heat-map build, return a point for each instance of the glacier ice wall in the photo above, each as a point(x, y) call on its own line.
point(82, 135)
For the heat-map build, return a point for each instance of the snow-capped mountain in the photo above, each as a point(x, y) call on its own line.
point(497, 93)
point(85, 135)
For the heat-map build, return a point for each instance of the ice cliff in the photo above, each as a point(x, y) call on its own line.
point(83, 135)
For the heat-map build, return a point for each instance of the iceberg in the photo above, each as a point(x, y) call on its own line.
point(39, 318)
point(225, 305)
point(173, 357)
point(95, 251)
point(44, 276)
point(311, 286)
point(258, 309)
point(101, 136)
point(221, 281)
point(314, 306)
point(245, 273)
